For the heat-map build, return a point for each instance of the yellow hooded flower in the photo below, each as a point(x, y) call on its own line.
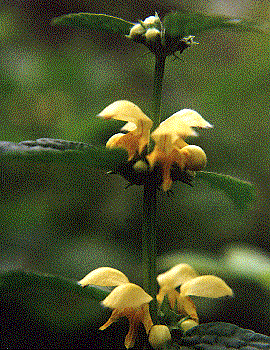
point(126, 300)
point(169, 137)
point(171, 148)
point(172, 279)
point(131, 301)
point(207, 286)
point(138, 127)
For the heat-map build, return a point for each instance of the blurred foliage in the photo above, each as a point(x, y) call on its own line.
point(69, 219)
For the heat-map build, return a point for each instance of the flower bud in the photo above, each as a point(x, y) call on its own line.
point(195, 157)
point(136, 31)
point(152, 21)
point(141, 166)
point(159, 335)
point(188, 324)
point(152, 34)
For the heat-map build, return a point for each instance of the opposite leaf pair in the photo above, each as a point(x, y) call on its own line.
point(131, 301)
point(169, 137)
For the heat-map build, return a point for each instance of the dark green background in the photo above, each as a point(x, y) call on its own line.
point(68, 220)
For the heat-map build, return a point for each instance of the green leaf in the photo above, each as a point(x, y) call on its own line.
point(95, 21)
point(241, 192)
point(56, 300)
point(58, 151)
point(219, 336)
point(183, 24)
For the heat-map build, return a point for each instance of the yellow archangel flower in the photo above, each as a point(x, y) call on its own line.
point(169, 137)
point(138, 127)
point(127, 300)
point(207, 286)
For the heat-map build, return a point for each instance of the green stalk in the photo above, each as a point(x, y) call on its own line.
point(149, 250)
point(157, 90)
point(149, 234)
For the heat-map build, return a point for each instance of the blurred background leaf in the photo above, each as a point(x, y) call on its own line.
point(67, 220)
point(182, 24)
point(241, 192)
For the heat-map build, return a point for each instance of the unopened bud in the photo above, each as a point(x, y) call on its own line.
point(141, 166)
point(159, 335)
point(136, 30)
point(152, 21)
point(196, 157)
point(152, 34)
point(188, 324)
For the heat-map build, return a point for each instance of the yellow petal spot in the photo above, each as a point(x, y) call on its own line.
point(104, 276)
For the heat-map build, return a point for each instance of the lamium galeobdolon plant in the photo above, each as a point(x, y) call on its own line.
point(153, 152)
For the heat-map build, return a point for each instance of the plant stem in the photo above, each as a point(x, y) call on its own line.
point(149, 234)
point(149, 249)
point(157, 90)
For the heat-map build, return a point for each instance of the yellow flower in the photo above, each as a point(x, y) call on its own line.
point(207, 286)
point(172, 279)
point(138, 127)
point(171, 148)
point(126, 300)
point(131, 301)
point(169, 136)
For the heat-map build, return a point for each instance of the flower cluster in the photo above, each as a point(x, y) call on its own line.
point(169, 137)
point(131, 301)
point(150, 29)
point(151, 32)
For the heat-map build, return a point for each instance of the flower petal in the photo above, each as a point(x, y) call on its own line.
point(125, 296)
point(132, 142)
point(191, 118)
point(129, 127)
point(173, 127)
point(126, 111)
point(104, 276)
point(186, 305)
point(206, 286)
point(176, 276)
